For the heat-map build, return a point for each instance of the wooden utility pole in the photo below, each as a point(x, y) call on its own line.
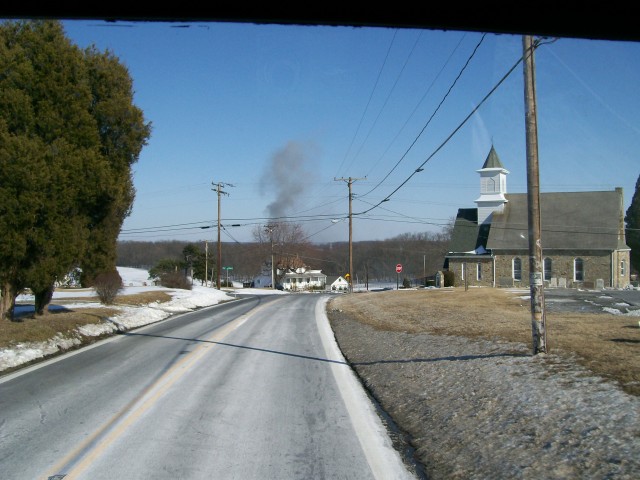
point(349, 183)
point(536, 281)
point(270, 228)
point(217, 187)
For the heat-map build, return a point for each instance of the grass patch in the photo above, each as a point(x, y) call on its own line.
point(41, 329)
point(143, 298)
point(608, 345)
point(65, 321)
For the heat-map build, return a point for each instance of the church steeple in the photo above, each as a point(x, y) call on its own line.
point(493, 186)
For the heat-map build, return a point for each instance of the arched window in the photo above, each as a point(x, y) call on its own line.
point(548, 272)
point(578, 270)
point(623, 268)
point(517, 269)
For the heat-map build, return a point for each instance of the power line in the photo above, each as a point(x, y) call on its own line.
point(375, 122)
point(368, 101)
point(424, 95)
point(432, 115)
point(449, 137)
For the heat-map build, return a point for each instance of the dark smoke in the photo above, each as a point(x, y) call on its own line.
point(287, 176)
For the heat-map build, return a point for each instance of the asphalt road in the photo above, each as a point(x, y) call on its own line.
point(252, 389)
point(592, 301)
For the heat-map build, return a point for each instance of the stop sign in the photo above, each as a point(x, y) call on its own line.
point(398, 268)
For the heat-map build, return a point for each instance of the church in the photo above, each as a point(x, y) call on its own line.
point(582, 236)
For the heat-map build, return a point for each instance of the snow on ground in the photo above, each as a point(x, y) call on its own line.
point(137, 281)
point(134, 281)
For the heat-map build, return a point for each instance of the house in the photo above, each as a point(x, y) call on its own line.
point(582, 236)
point(264, 279)
point(337, 283)
point(304, 279)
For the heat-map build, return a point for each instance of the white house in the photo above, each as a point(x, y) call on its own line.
point(304, 279)
point(264, 279)
point(337, 284)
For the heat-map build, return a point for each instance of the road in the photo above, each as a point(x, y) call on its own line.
point(255, 388)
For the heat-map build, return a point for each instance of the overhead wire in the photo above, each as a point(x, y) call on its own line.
point(432, 115)
point(424, 95)
point(375, 86)
point(451, 135)
point(388, 96)
point(287, 219)
point(398, 76)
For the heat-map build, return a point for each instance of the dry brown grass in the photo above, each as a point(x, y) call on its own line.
point(609, 345)
point(41, 329)
point(63, 321)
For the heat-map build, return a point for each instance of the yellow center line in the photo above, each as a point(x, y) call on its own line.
point(78, 461)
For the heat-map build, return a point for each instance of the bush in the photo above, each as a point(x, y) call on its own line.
point(406, 283)
point(107, 286)
point(175, 280)
point(449, 278)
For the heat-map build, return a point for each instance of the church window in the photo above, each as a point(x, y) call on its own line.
point(517, 269)
point(578, 270)
point(548, 264)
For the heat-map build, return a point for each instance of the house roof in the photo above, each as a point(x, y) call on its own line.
point(315, 273)
point(569, 220)
point(332, 278)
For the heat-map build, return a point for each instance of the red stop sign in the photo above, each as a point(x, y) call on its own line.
point(398, 268)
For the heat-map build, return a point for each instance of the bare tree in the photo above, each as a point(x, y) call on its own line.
point(285, 242)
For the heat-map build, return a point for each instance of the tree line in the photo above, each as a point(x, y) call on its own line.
point(69, 135)
point(421, 254)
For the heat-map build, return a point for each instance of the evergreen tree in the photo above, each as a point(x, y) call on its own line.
point(65, 158)
point(632, 221)
point(194, 261)
point(123, 133)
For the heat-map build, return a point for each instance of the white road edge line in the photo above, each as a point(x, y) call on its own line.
point(384, 460)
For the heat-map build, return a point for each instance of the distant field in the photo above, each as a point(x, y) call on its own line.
point(609, 345)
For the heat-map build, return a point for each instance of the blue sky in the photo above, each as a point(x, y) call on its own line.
point(282, 113)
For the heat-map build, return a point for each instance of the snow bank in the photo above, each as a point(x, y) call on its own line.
point(135, 281)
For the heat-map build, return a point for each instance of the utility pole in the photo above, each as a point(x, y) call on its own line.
point(206, 263)
point(270, 228)
point(424, 269)
point(349, 183)
point(217, 187)
point(536, 283)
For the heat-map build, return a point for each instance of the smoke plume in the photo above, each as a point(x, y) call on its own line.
point(287, 176)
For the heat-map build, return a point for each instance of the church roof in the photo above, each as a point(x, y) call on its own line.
point(569, 221)
point(467, 235)
point(492, 161)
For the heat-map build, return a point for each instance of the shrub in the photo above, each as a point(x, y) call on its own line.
point(107, 286)
point(406, 283)
point(449, 278)
point(175, 280)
